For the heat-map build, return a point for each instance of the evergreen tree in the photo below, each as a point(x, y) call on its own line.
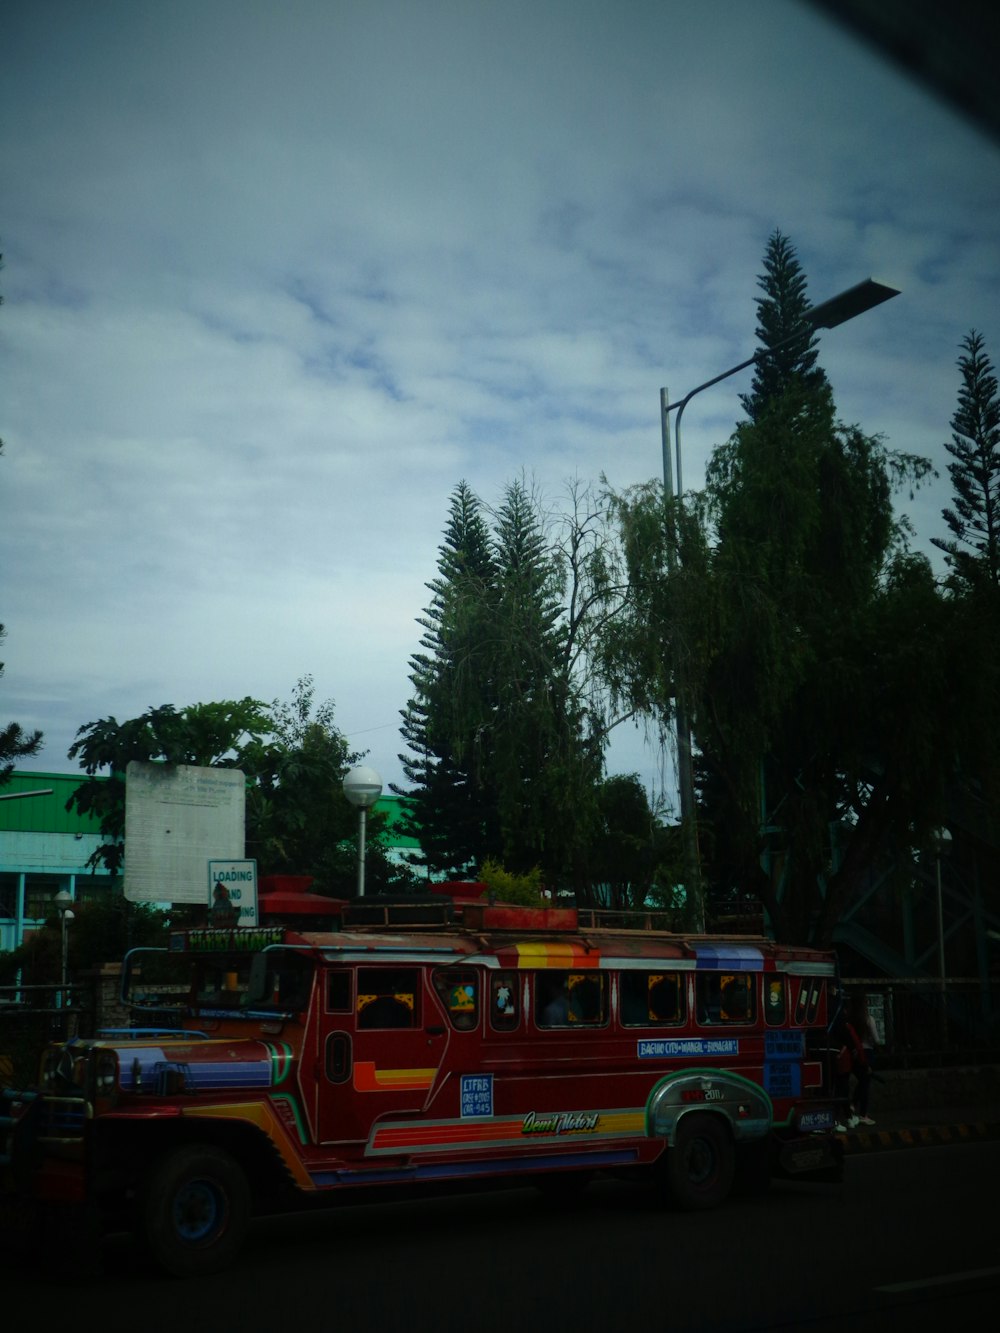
point(973, 551)
point(788, 343)
point(452, 809)
point(545, 763)
point(502, 767)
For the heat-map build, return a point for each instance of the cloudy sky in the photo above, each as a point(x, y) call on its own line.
point(278, 276)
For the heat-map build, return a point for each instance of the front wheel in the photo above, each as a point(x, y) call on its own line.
point(701, 1164)
point(196, 1211)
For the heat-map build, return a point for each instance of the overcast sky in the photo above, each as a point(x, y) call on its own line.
point(279, 275)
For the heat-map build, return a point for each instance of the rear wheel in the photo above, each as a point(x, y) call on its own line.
point(196, 1211)
point(701, 1164)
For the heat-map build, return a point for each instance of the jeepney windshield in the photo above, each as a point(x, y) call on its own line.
point(275, 980)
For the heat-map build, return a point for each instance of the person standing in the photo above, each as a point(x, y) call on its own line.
point(864, 1025)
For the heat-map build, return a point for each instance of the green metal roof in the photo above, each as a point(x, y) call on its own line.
point(36, 803)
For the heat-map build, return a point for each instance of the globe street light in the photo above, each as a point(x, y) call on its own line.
point(64, 906)
point(362, 787)
point(848, 304)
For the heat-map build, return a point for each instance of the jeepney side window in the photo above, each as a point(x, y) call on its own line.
point(338, 991)
point(726, 997)
point(812, 1005)
point(458, 988)
point(504, 1008)
point(802, 1001)
point(775, 1000)
point(388, 997)
point(570, 999)
point(650, 999)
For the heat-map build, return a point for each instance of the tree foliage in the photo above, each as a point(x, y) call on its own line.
point(452, 804)
point(811, 640)
point(973, 550)
point(788, 346)
point(503, 756)
point(298, 820)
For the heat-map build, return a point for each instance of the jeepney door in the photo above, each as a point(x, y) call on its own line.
point(382, 1040)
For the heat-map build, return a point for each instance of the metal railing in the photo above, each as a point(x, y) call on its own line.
point(33, 1016)
point(925, 1022)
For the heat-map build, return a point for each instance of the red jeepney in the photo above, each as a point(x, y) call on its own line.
point(420, 1045)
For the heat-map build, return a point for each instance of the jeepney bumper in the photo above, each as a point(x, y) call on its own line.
point(816, 1157)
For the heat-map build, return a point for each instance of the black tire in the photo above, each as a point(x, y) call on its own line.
point(196, 1211)
point(701, 1164)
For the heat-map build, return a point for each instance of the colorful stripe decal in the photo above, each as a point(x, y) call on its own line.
point(420, 1136)
point(557, 954)
point(729, 958)
point(367, 1078)
point(484, 1166)
point(263, 1117)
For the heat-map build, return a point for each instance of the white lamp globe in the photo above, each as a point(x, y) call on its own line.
point(362, 787)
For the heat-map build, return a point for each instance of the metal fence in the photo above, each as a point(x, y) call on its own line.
point(923, 1022)
point(33, 1016)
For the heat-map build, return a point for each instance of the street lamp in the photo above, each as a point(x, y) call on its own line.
point(942, 842)
point(64, 906)
point(848, 304)
point(362, 787)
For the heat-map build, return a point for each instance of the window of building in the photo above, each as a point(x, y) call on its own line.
point(388, 997)
point(651, 999)
point(8, 894)
point(39, 895)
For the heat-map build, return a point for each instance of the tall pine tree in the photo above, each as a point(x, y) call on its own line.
point(788, 352)
point(452, 806)
point(499, 757)
point(973, 551)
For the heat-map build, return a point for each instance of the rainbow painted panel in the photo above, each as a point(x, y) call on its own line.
point(141, 1066)
point(728, 958)
point(562, 954)
point(369, 1078)
point(435, 1136)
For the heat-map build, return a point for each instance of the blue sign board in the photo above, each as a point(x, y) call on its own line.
point(477, 1095)
point(784, 1045)
point(663, 1048)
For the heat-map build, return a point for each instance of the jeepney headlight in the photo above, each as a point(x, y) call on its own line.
point(106, 1074)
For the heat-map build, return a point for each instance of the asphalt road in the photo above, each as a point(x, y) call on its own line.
point(908, 1242)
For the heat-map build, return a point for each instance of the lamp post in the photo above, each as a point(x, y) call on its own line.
point(64, 906)
point(838, 309)
point(942, 842)
point(362, 787)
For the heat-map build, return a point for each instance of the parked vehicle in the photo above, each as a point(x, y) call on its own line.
point(270, 1067)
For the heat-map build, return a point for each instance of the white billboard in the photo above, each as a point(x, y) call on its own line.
point(177, 818)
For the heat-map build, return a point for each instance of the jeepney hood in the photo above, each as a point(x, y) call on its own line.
point(213, 1065)
point(204, 1065)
